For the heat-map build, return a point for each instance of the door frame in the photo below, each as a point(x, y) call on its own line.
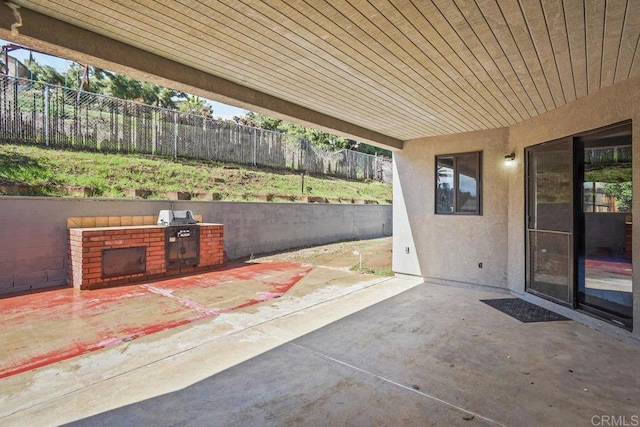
point(577, 226)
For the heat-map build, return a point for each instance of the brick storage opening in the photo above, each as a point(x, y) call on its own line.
point(88, 246)
point(124, 261)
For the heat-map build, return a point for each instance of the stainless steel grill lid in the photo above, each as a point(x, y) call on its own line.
point(170, 217)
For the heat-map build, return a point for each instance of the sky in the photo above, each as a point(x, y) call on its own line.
point(60, 64)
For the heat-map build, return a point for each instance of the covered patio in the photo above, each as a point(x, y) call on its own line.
point(442, 84)
point(396, 352)
point(497, 113)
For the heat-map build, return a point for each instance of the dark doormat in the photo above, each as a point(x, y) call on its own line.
point(522, 310)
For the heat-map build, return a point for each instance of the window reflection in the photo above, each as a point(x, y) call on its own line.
point(467, 196)
point(458, 184)
point(444, 192)
point(607, 185)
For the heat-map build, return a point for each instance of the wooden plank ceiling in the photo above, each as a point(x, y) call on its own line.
point(403, 68)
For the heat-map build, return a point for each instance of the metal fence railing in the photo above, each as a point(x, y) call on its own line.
point(42, 114)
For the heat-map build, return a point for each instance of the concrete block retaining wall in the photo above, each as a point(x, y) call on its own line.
point(34, 240)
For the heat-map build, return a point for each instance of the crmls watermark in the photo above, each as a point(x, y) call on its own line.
point(615, 420)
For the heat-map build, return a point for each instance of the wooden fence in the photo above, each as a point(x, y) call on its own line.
point(42, 114)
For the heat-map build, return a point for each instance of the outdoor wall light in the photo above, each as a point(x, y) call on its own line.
point(509, 158)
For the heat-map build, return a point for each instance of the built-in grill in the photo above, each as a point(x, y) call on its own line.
point(182, 238)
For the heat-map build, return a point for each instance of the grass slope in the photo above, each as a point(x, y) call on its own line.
point(109, 175)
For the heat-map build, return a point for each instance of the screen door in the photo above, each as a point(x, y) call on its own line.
point(550, 221)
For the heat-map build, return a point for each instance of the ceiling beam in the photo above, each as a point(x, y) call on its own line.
point(48, 34)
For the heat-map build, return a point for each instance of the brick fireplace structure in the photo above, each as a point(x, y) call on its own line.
point(96, 253)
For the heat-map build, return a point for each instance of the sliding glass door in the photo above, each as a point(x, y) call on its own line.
point(604, 264)
point(579, 223)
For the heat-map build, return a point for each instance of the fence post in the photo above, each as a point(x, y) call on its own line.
point(46, 115)
point(255, 146)
point(175, 134)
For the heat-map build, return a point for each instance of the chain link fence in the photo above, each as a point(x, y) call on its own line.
point(53, 116)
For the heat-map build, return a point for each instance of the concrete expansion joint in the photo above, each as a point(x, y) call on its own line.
point(396, 384)
point(306, 307)
point(204, 342)
point(255, 327)
point(247, 326)
point(254, 335)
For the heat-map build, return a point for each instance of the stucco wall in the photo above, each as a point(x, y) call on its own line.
point(448, 248)
point(33, 231)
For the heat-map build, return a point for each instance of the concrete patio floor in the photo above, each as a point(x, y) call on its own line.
point(342, 349)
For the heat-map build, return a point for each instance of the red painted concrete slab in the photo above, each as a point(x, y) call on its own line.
point(43, 328)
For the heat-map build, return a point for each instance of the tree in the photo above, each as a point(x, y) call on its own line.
point(160, 96)
point(195, 105)
point(75, 77)
point(319, 138)
point(261, 121)
point(622, 193)
point(369, 149)
point(167, 97)
point(98, 81)
point(46, 74)
point(124, 87)
point(316, 137)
